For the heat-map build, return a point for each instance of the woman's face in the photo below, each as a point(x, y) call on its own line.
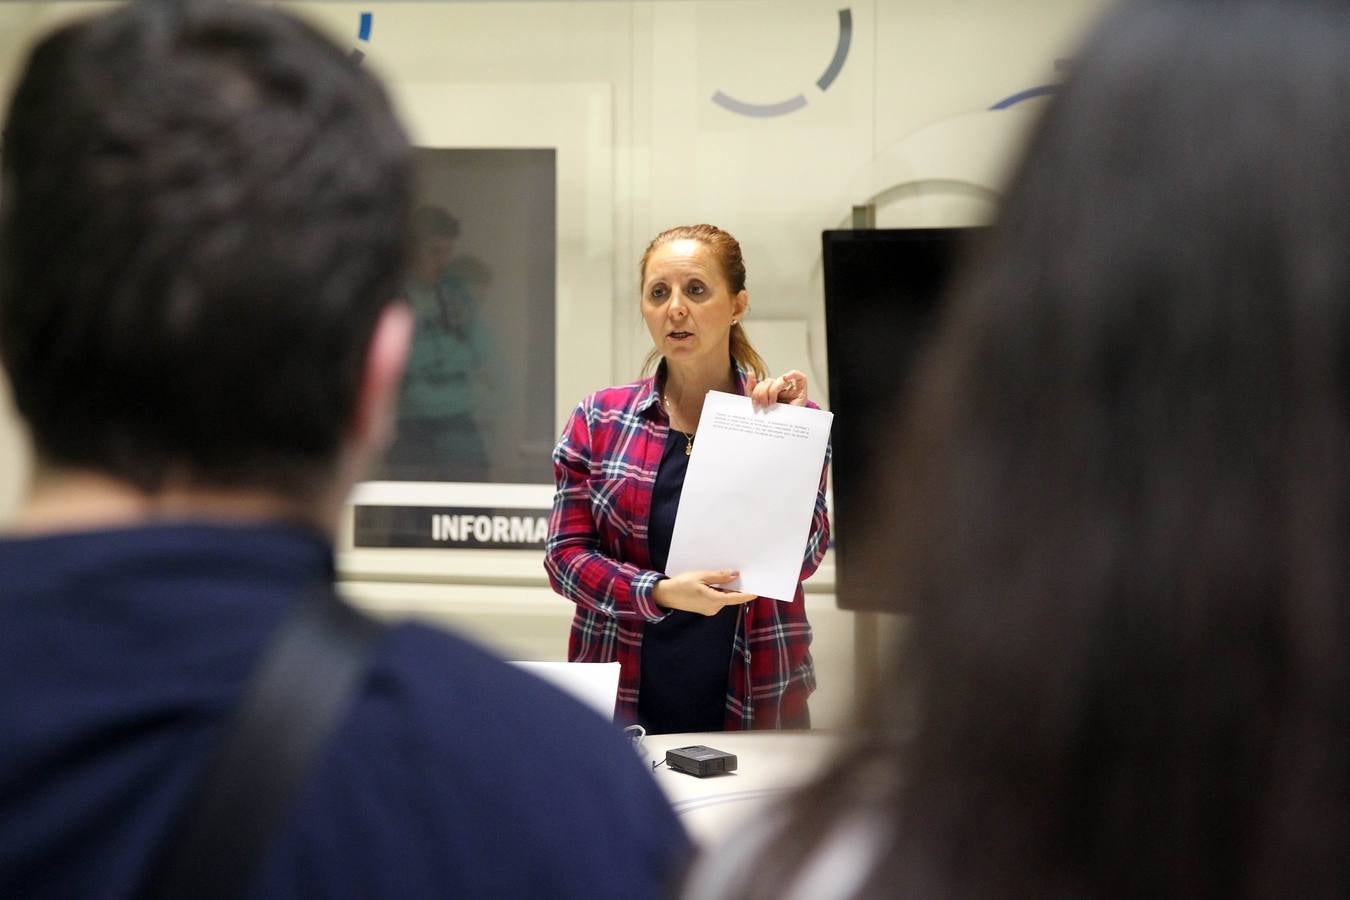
point(687, 303)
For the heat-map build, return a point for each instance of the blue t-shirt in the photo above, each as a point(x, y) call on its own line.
point(453, 775)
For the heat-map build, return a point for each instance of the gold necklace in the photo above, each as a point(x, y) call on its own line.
point(688, 435)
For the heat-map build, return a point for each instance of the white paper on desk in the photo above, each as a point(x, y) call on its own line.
point(750, 492)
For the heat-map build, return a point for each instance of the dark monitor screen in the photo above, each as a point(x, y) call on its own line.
point(883, 288)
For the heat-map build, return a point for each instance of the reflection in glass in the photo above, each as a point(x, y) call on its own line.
point(477, 397)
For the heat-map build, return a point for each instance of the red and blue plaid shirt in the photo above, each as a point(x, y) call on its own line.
point(597, 556)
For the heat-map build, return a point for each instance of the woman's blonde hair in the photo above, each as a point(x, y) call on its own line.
point(727, 250)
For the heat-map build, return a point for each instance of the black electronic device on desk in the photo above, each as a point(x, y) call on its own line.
point(700, 761)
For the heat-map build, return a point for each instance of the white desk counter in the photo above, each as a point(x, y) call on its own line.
point(769, 764)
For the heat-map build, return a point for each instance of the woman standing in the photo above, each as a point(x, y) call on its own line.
point(695, 655)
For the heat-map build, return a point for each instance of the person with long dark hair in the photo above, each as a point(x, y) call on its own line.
point(1124, 504)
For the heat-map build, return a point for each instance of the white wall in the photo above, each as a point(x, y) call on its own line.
point(624, 90)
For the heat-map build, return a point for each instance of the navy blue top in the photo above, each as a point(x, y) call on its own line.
point(453, 775)
point(686, 657)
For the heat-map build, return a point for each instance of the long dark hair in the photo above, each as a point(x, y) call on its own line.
point(1123, 495)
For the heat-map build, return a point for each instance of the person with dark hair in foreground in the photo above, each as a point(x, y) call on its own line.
point(204, 222)
point(1123, 505)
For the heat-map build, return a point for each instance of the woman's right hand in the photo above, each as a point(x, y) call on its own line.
point(696, 592)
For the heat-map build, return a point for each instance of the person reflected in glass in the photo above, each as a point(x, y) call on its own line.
point(696, 654)
point(447, 391)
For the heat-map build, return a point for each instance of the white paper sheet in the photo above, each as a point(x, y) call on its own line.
point(595, 684)
point(750, 492)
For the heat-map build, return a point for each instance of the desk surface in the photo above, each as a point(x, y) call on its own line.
point(769, 764)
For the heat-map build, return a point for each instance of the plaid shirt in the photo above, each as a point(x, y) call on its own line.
point(597, 556)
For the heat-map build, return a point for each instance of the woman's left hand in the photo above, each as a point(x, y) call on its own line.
point(789, 388)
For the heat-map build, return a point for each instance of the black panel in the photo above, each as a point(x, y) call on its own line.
point(883, 288)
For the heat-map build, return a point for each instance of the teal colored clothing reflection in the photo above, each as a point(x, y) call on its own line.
point(447, 389)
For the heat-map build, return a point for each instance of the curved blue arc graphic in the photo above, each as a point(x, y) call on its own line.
point(1043, 90)
point(759, 110)
point(792, 104)
point(840, 50)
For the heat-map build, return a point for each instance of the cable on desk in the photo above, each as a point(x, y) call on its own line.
point(635, 735)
